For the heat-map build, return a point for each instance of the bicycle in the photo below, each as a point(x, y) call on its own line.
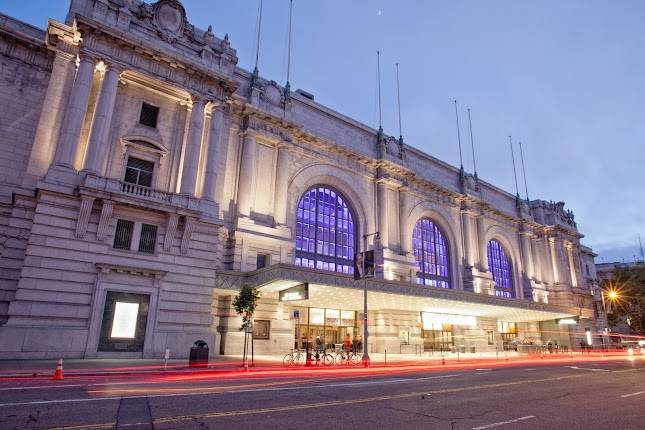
point(296, 358)
point(322, 357)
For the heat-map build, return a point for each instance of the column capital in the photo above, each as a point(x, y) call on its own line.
point(198, 99)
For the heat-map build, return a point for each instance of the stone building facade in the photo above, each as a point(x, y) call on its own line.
point(145, 177)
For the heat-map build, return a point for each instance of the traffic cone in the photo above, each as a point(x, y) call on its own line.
point(58, 374)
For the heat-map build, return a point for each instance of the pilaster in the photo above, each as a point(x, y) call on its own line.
point(193, 147)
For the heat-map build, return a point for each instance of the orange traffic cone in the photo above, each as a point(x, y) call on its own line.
point(58, 374)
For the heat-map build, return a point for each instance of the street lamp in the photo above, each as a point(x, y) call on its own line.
point(366, 355)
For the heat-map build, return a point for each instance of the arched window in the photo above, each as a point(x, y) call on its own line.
point(325, 231)
point(431, 254)
point(500, 266)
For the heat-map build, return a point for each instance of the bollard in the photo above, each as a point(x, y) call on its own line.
point(386, 357)
point(166, 356)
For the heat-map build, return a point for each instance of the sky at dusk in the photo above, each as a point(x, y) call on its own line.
point(564, 77)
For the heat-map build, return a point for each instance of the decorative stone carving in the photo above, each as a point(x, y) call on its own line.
point(104, 221)
point(189, 224)
point(169, 17)
point(171, 228)
point(84, 216)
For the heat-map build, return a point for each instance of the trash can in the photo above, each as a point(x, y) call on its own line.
point(472, 349)
point(462, 349)
point(198, 354)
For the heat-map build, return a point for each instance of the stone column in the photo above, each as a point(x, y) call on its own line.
point(554, 259)
point(193, 147)
point(526, 253)
point(405, 236)
point(75, 114)
point(469, 237)
point(281, 185)
point(47, 133)
point(247, 174)
point(98, 145)
point(215, 136)
point(482, 245)
point(381, 196)
point(572, 265)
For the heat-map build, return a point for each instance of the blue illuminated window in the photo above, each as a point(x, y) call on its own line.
point(431, 254)
point(325, 231)
point(500, 266)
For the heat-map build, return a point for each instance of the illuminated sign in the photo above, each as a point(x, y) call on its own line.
point(316, 316)
point(567, 321)
point(430, 319)
point(347, 318)
point(298, 292)
point(332, 316)
point(124, 324)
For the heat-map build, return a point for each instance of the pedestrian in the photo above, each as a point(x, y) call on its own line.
point(355, 344)
point(348, 342)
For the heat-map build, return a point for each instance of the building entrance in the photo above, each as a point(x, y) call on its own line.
point(439, 339)
point(328, 327)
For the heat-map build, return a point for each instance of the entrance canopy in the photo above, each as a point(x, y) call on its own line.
point(336, 290)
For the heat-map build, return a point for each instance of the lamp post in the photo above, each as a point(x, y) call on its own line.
point(366, 355)
point(612, 296)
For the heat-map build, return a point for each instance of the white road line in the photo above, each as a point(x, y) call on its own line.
point(254, 390)
point(528, 370)
point(501, 423)
point(484, 369)
point(633, 394)
point(46, 386)
point(589, 369)
point(482, 373)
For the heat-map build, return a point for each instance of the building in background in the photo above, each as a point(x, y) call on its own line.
point(145, 177)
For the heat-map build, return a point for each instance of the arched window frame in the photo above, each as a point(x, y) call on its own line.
point(501, 267)
point(429, 241)
point(318, 245)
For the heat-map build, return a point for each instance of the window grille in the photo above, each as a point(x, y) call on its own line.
point(149, 115)
point(148, 238)
point(139, 172)
point(123, 234)
point(500, 266)
point(325, 231)
point(431, 254)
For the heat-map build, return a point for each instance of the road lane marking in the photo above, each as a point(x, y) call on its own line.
point(482, 373)
point(633, 394)
point(483, 369)
point(588, 368)
point(502, 423)
point(309, 387)
point(528, 370)
point(248, 387)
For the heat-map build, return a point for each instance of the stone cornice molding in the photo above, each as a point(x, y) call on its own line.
point(105, 268)
point(100, 39)
point(63, 38)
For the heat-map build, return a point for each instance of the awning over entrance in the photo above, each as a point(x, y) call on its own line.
point(334, 290)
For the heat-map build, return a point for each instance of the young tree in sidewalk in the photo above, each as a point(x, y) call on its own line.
point(245, 303)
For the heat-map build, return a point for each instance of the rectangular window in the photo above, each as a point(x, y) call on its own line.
point(261, 329)
point(491, 337)
point(261, 260)
point(139, 172)
point(148, 238)
point(148, 115)
point(123, 234)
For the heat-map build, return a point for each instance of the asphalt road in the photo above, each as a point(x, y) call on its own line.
point(586, 395)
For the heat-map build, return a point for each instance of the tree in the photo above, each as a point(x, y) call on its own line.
point(245, 303)
point(629, 282)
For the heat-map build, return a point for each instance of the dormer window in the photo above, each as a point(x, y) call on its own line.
point(149, 115)
point(139, 172)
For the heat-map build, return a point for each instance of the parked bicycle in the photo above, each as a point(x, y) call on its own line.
point(294, 358)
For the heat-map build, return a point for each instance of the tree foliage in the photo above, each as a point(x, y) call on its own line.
point(629, 282)
point(245, 303)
